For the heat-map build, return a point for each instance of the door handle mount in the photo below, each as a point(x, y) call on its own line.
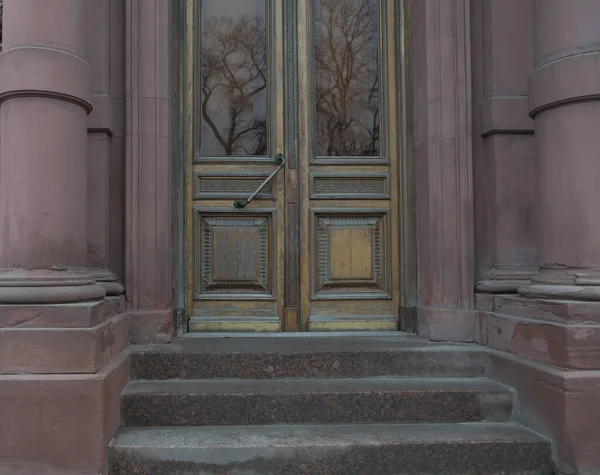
point(280, 162)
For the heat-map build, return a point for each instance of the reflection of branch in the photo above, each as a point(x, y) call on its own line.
point(207, 93)
point(347, 102)
point(234, 61)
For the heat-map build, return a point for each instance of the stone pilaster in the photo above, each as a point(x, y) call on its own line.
point(45, 97)
point(564, 100)
point(148, 241)
point(503, 145)
point(101, 129)
point(441, 67)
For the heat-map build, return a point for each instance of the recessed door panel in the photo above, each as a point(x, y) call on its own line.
point(235, 256)
point(350, 252)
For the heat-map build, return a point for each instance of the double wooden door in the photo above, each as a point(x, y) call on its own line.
point(295, 107)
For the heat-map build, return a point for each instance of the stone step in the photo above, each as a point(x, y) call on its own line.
point(314, 401)
point(451, 449)
point(206, 357)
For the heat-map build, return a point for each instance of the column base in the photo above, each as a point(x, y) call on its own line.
point(560, 292)
point(564, 283)
point(108, 281)
point(47, 286)
point(505, 280)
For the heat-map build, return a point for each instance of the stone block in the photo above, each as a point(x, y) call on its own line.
point(60, 424)
point(84, 314)
point(62, 350)
point(562, 405)
point(283, 356)
point(567, 346)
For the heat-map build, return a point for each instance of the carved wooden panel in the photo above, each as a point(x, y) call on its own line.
point(292, 257)
point(230, 186)
point(350, 257)
point(233, 255)
point(340, 187)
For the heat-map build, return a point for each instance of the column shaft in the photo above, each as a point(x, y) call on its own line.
point(45, 96)
point(564, 98)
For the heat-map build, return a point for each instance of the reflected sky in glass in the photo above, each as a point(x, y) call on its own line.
point(347, 89)
point(233, 78)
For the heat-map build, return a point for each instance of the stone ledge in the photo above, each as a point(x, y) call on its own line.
point(62, 350)
point(235, 402)
point(85, 314)
point(333, 449)
point(562, 311)
point(326, 356)
point(60, 423)
point(562, 405)
point(505, 114)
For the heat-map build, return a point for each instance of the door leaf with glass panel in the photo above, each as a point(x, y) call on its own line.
point(236, 249)
point(293, 208)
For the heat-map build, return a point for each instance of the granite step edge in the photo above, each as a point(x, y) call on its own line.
point(170, 364)
point(373, 400)
point(248, 387)
point(375, 448)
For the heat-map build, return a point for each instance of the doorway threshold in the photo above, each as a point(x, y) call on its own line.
point(292, 334)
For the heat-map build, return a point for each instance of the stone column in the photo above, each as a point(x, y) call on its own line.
point(564, 99)
point(45, 97)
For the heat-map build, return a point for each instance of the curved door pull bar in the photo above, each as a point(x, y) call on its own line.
point(280, 161)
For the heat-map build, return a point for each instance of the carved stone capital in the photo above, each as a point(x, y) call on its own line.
point(47, 286)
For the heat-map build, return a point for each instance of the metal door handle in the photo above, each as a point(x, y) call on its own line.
point(280, 161)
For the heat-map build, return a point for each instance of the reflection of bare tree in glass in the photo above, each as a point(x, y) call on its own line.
point(347, 77)
point(233, 81)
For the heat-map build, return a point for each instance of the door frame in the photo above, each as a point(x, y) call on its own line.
point(437, 48)
point(182, 57)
